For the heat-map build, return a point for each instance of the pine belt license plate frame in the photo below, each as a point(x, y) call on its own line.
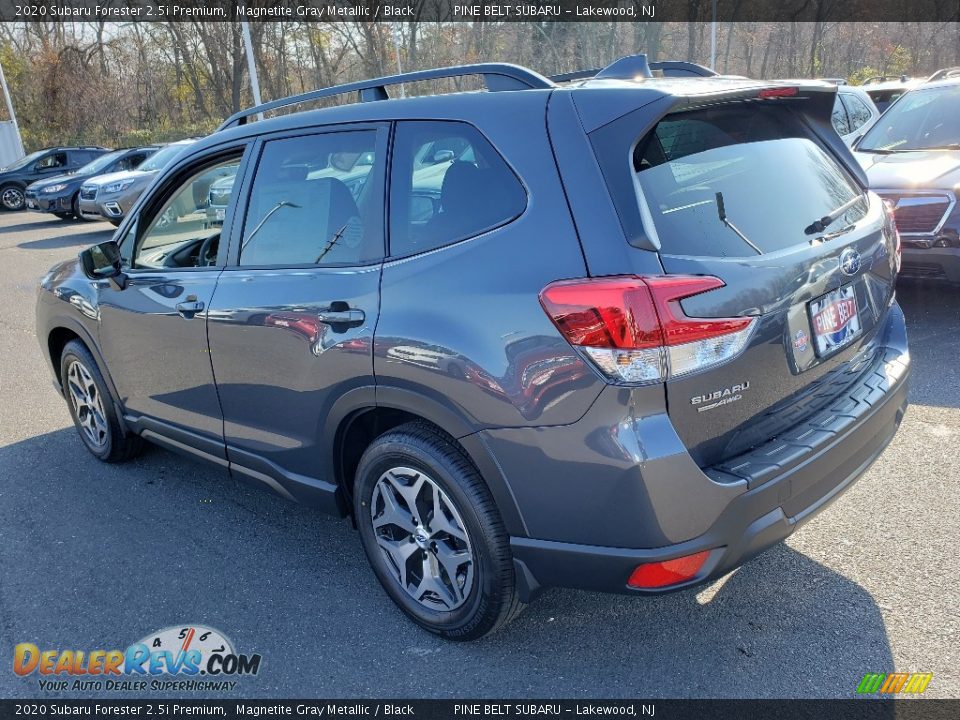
point(835, 320)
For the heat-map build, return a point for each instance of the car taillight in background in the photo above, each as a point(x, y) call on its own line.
point(634, 330)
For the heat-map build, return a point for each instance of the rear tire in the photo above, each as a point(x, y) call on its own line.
point(92, 408)
point(433, 535)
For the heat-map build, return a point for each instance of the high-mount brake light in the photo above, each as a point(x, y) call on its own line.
point(634, 329)
point(778, 92)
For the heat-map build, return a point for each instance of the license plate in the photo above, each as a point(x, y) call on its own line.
point(32, 204)
point(834, 319)
point(221, 214)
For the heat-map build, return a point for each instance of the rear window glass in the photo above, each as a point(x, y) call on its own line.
point(758, 167)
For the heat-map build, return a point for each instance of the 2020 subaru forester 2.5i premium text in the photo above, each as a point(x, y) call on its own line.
point(619, 334)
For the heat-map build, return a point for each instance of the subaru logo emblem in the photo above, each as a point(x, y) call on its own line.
point(850, 262)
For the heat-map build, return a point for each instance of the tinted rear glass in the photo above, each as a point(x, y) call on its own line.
point(760, 164)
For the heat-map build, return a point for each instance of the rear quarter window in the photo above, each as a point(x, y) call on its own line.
point(772, 178)
point(448, 184)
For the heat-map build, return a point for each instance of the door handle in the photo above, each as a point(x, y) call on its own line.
point(340, 314)
point(189, 307)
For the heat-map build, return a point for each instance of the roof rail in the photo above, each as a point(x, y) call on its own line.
point(669, 68)
point(681, 68)
point(497, 76)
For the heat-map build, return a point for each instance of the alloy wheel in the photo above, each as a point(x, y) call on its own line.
point(422, 538)
point(12, 198)
point(87, 404)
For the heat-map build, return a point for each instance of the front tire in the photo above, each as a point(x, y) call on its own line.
point(92, 408)
point(433, 535)
point(75, 206)
point(12, 197)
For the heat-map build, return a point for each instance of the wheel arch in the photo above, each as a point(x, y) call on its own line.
point(366, 413)
point(62, 331)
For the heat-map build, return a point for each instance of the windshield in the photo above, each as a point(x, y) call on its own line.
point(23, 162)
point(95, 166)
point(921, 120)
point(740, 180)
point(162, 157)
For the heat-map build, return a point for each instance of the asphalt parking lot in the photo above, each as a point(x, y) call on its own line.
point(96, 557)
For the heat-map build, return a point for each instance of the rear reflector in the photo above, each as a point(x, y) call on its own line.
point(778, 92)
point(634, 329)
point(669, 572)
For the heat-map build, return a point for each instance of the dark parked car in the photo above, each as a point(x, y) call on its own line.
point(40, 165)
point(912, 158)
point(60, 194)
point(646, 329)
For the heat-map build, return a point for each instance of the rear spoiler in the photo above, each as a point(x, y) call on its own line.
point(633, 66)
point(611, 136)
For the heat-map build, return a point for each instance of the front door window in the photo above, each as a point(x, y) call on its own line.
point(182, 232)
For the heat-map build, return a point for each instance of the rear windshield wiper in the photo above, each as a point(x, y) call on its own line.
point(827, 220)
point(722, 213)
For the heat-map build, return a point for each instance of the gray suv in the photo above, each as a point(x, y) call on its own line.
point(619, 334)
point(110, 196)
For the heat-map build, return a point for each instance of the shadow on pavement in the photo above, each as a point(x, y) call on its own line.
point(933, 320)
point(91, 237)
point(98, 556)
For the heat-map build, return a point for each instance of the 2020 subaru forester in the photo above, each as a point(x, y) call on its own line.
point(620, 334)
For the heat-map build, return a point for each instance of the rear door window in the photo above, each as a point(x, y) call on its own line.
point(757, 166)
point(448, 183)
point(82, 157)
point(315, 201)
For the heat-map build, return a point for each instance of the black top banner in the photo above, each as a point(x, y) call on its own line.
point(482, 10)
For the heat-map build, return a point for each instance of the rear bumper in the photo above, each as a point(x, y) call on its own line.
point(931, 264)
point(777, 488)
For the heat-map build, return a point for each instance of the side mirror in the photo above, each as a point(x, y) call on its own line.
point(102, 262)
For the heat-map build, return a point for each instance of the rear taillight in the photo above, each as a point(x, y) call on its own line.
point(634, 330)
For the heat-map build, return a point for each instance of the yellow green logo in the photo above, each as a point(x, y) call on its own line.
point(894, 683)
